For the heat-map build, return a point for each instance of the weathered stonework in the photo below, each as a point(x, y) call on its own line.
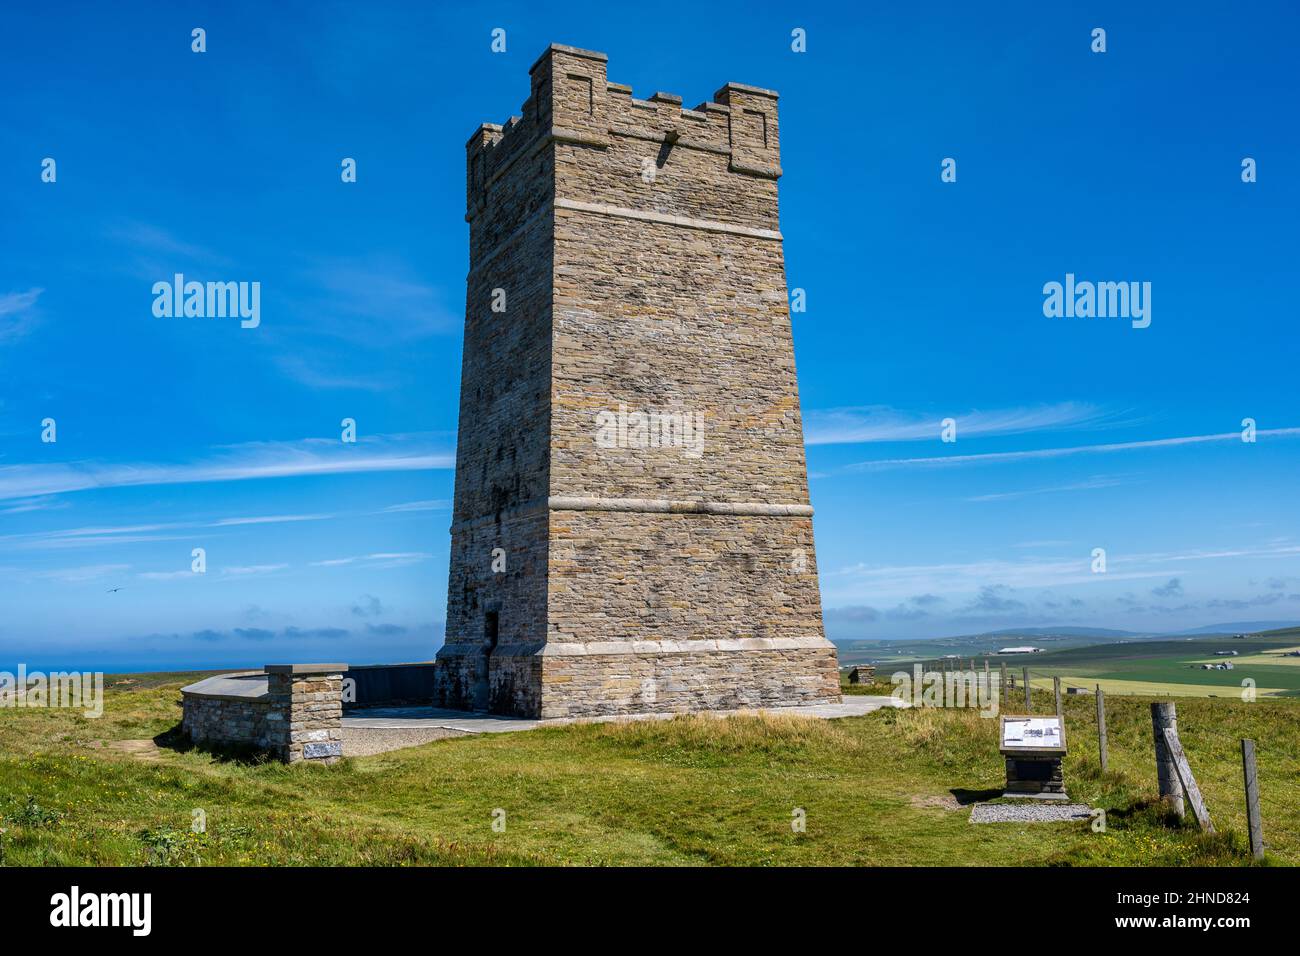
point(225, 721)
point(632, 252)
point(294, 711)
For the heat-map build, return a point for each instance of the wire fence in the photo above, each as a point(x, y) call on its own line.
point(1012, 675)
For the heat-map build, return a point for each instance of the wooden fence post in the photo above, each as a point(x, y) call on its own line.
point(1164, 717)
point(1006, 691)
point(988, 680)
point(1056, 689)
point(1101, 726)
point(1253, 819)
point(1188, 779)
point(1029, 703)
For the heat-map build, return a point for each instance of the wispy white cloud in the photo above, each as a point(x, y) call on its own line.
point(317, 373)
point(253, 569)
point(24, 506)
point(155, 239)
point(431, 505)
point(128, 534)
point(73, 541)
point(1003, 456)
point(385, 559)
point(87, 572)
point(879, 423)
point(268, 519)
point(168, 575)
point(246, 462)
point(380, 297)
point(17, 313)
point(893, 582)
point(884, 583)
point(1097, 481)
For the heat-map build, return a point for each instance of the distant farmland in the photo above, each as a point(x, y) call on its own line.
point(1169, 666)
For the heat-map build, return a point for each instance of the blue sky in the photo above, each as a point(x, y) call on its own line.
point(924, 298)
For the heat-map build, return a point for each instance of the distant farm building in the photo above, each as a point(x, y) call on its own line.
point(1021, 650)
point(1225, 666)
point(1227, 653)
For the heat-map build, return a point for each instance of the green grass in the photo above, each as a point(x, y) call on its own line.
point(877, 790)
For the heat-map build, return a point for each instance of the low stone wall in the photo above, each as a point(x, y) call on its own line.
point(294, 711)
point(225, 721)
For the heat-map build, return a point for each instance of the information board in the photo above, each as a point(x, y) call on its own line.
point(1028, 733)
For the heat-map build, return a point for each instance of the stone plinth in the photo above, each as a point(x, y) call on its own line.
point(1037, 776)
point(305, 713)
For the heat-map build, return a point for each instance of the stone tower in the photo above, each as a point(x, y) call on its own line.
point(631, 529)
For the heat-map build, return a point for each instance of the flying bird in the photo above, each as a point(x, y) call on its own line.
point(113, 590)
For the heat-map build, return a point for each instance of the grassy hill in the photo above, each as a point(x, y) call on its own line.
point(1168, 666)
point(890, 788)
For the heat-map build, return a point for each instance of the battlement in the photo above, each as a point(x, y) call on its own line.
point(573, 102)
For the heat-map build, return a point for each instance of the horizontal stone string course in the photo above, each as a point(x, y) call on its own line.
point(663, 506)
point(649, 505)
point(696, 646)
point(574, 205)
point(688, 222)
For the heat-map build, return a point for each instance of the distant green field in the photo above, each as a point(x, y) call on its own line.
point(1168, 666)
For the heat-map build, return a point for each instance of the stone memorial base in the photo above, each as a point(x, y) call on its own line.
point(1035, 777)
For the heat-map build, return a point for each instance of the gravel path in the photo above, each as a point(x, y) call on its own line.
point(364, 741)
point(1029, 812)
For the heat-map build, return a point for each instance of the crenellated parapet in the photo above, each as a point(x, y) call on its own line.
point(572, 102)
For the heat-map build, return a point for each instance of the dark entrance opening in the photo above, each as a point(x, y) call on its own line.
point(491, 628)
point(1036, 770)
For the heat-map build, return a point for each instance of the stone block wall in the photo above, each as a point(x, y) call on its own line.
point(305, 711)
point(295, 711)
point(225, 722)
point(688, 676)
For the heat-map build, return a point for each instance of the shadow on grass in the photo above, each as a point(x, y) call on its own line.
point(177, 741)
point(966, 797)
